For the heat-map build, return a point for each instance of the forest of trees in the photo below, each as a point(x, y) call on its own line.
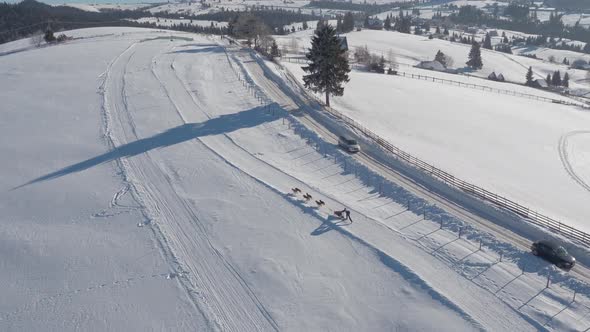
point(28, 17)
point(367, 8)
point(522, 22)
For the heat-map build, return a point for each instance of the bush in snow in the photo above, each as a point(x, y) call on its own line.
point(49, 37)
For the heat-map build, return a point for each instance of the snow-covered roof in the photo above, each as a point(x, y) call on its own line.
point(432, 65)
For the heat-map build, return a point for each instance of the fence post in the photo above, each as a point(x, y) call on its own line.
point(501, 255)
point(480, 243)
point(460, 231)
point(574, 299)
point(548, 280)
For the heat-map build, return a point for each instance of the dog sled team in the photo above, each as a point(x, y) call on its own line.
point(343, 214)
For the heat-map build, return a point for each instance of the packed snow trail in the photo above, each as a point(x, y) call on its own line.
point(221, 295)
point(564, 156)
point(263, 172)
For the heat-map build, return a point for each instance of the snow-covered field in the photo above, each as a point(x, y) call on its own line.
point(411, 49)
point(514, 146)
point(146, 187)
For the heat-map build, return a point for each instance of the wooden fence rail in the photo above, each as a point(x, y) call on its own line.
point(449, 179)
point(464, 85)
point(529, 215)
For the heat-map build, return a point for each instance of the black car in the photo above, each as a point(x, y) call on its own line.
point(554, 253)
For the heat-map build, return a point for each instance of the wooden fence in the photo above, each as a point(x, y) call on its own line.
point(462, 84)
point(449, 179)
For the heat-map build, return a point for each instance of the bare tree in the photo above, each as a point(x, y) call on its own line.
point(251, 27)
point(449, 61)
point(294, 45)
point(284, 49)
point(391, 58)
point(37, 38)
point(551, 59)
point(362, 55)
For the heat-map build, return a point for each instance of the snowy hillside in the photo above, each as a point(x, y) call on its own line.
point(412, 49)
point(148, 186)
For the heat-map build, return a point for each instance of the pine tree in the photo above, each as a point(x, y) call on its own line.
point(505, 40)
point(366, 22)
point(446, 32)
point(387, 23)
point(565, 62)
point(440, 57)
point(437, 31)
point(566, 80)
point(548, 79)
point(348, 22)
point(339, 24)
point(487, 43)
point(475, 61)
point(305, 26)
point(556, 80)
point(328, 66)
point(529, 77)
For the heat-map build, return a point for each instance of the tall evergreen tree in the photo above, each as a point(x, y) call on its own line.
point(529, 77)
point(387, 23)
point(366, 22)
point(348, 22)
point(339, 24)
point(548, 79)
point(556, 80)
point(328, 66)
point(487, 42)
point(305, 26)
point(566, 80)
point(475, 61)
point(446, 32)
point(440, 57)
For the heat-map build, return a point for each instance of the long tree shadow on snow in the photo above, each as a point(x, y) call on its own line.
point(221, 125)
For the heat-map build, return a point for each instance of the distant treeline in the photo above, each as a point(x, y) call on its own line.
point(274, 18)
point(369, 9)
point(521, 20)
point(29, 17)
point(569, 4)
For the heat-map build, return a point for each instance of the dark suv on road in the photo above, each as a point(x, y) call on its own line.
point(554, 253)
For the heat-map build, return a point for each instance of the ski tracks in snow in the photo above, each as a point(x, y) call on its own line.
point(564, 156)
point(215, 287)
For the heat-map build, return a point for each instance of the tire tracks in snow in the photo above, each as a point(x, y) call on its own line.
point(564, 157)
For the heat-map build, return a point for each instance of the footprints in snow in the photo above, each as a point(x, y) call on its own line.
point(116, 207)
